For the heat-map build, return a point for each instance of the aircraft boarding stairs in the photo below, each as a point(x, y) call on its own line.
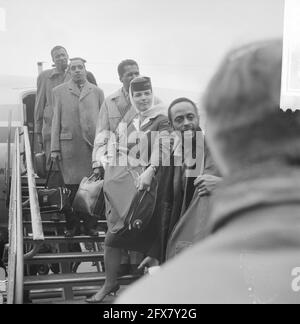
point(36, 271)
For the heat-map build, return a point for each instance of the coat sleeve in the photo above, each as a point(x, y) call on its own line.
point(40, 103)
point(102, 137)
point(101, 98)
point(161, 148)
point(91, 78)
point(209, 164)
point(56, 122)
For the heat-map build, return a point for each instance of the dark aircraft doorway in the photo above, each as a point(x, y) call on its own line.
point(28, 114)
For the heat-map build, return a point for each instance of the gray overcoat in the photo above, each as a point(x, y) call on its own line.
point(74, 126)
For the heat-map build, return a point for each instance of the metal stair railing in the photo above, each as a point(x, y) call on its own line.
point(15, 259)
point(18, 283)
point(16, 232)
point(36, 220)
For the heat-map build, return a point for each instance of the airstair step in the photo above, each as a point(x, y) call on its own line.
point(62, 239)
point(65, 257)
point(59, 222)
point(72, 279)
point(57, 292)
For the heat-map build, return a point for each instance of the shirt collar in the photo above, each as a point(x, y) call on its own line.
point(126, 94)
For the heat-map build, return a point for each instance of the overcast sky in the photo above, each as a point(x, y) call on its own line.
point(177, 42)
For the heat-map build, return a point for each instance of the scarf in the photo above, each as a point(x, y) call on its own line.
point(144, 117)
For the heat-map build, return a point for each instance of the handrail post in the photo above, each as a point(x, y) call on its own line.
point(12, 230)
point(37, 228)
point(19, 230)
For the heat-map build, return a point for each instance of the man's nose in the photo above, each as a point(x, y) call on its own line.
point(186, 122)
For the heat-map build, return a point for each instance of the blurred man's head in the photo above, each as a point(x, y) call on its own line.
point(128, 70)
point(245, 125)
point(183, 115)
point(78, 70)
point(60, 57)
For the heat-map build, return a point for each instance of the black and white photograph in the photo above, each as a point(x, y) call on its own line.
point(149, 154)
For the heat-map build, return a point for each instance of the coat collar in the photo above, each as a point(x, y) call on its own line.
point(120, 93)
point(153, 113)
point(251, 190)
point(54, 73)
point(87, 88)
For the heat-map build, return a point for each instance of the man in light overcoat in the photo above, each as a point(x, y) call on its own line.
point(75, 112)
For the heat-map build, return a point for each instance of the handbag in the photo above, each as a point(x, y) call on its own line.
point(141, 211)
point(55, 199)
point(89, 198)
point(119, 191)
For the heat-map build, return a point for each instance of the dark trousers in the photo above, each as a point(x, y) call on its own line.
point(2, 246)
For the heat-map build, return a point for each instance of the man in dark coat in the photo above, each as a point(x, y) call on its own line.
point(75, 112)
point(47, 81)
point(192, 169)
point(185, 177)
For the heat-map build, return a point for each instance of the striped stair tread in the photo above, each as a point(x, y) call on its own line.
point(72, 279)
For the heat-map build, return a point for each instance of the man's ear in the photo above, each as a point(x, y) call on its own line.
point(171, 125)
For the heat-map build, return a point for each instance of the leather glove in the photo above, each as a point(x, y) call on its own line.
point(145, 179)
point(99, 172)
point(56, 156)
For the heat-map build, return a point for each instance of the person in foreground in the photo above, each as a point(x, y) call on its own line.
point(150, 122)
point(252, 253)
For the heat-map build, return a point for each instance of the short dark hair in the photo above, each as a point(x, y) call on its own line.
point(121, 66)
point(78, 59)
point(179, 100)
point(56, 48)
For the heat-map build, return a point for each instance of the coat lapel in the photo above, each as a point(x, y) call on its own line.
point(74, 89)
point(123, 104)
point(86, 90)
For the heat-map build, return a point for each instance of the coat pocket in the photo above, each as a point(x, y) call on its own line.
point(66, 136)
